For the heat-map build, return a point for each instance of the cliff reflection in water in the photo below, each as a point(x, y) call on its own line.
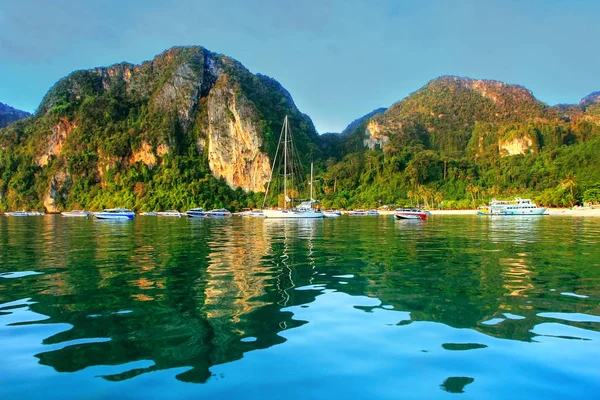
point(192, 294)
point(184, 298)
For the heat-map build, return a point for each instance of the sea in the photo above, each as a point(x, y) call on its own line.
point(462, 307)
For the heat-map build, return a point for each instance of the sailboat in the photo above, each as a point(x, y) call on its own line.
point(304, 209)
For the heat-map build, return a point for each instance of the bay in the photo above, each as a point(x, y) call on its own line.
point(356, 307)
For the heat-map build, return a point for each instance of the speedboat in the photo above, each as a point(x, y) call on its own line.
point(411, 213)
point(196, 213)
point(148, 213)
point(517, 206)
point(115, 213)
point(219, 212)
point(332, 214)
point(76, 213)
point(372, 212)
point(169, 213)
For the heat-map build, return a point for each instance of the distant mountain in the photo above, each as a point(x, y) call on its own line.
point(592, 98)
point(9, 114)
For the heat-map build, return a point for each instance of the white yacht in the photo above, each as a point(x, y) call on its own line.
point(517, 206)
point(305, 209)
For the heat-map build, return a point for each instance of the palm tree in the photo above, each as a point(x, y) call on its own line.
point(569, 183)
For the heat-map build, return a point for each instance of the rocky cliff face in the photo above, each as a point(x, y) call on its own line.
point(374, 137)
point(9, 114)
point(234, 140)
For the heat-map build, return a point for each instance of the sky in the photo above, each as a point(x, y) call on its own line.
point(339, 59)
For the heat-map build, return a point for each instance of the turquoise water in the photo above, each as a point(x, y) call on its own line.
point(357, 307)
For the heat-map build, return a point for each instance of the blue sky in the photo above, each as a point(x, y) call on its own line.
point(338, 58)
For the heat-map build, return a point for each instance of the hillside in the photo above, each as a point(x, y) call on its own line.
point(9, 114)
point(461, 139)
point(182, 130)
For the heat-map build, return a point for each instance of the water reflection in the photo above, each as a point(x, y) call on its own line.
point(194, 295)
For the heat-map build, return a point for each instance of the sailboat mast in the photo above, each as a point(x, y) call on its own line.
point(311, 181)
point(285, 163)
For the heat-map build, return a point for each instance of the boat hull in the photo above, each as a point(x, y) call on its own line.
point(292, 214)
point(195, 214)
point(121, 217)
point(514, 213)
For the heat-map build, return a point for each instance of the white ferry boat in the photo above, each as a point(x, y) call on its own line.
point(517, 206)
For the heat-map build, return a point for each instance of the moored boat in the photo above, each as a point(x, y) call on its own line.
point(291, 165)
point(332, 214)
point(411, 213)
point(196, 213)
point(514, 207)
point(148, 213)
point(256, 214)
point(372, 212)
point(357, 213)
point(219, 212)
point(115, 213)
point(76, 213)
point(24, 213)
point(169, 213)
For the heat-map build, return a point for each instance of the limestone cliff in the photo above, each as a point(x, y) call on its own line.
point(234, 141)
point(95, 126)
point(515, 146)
